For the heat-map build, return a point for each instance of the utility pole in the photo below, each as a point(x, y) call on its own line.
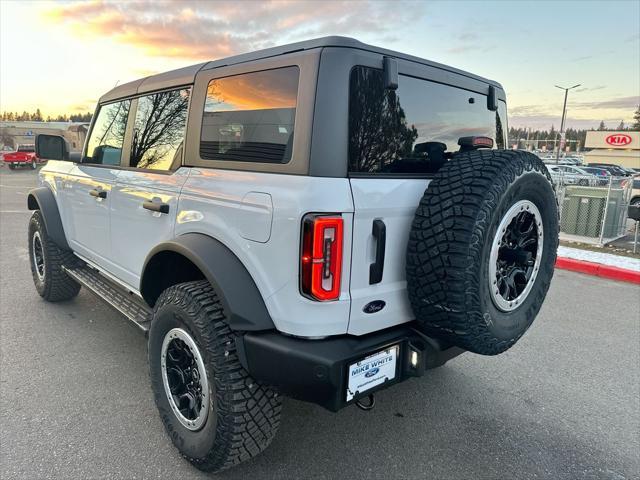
point(564, 114)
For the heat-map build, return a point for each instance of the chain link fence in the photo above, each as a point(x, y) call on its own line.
point(593, 209)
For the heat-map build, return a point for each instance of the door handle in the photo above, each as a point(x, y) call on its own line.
point(98, 193)
point(379, 232)
point(156, 207)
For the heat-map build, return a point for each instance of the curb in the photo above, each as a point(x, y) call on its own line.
point(598, 270)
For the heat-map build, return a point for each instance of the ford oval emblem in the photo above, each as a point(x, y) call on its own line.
point(371, 372)
point(373, 307)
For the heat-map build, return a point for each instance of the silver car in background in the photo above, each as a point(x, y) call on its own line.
point(572, 175)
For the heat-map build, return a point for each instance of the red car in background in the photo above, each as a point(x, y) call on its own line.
point(24, 156)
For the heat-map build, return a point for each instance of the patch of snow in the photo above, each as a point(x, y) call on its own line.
point(600, 257)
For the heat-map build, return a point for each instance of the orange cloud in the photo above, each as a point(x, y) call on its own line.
point(86, 106)
point(207, 30)
point(272, 89)
point(166, 34)
point(74, 10)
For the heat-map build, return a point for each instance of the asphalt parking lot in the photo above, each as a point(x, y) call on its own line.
point(75, 400)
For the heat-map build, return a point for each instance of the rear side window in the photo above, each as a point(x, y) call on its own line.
point(414, 129)
point(158, 131)
point(107, 135)
point(250, 117)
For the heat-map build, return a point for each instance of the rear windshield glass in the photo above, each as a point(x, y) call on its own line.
point(26, 148)
point(414, 129)
point(250, 117)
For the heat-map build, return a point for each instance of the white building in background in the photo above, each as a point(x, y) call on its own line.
point(619, 148)
point(13, 134)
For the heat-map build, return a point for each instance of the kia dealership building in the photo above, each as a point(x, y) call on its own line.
point(618, 148)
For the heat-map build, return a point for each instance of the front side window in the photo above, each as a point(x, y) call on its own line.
point(158, 131)
point(107, 136)
point(414, 129)
point(250, 117)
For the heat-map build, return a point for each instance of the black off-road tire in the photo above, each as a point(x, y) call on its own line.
point(450, 243)
point(12, 166)
point(55, 285)
point(244, 415)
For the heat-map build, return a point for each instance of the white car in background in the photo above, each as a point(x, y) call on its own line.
point(571, 175)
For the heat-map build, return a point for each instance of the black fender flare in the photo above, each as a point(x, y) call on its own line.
point(242, 301)
point(42, 199)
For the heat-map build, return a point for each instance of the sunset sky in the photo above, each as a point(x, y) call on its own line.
point(61, 56)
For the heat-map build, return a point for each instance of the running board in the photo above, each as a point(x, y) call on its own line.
point(124, 302)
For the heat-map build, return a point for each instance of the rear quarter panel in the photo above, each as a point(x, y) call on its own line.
point(258, 216)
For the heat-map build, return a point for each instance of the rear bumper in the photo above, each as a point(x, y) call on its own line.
point(316, 370)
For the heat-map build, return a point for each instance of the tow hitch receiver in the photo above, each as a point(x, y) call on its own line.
point(367, 406)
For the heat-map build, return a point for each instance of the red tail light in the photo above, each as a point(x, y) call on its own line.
point(321, 259)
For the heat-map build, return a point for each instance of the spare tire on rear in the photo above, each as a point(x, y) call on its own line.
point(482, 249)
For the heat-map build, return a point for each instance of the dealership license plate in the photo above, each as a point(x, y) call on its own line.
point(372, 371)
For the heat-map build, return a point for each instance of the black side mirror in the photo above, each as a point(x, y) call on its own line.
point(52, 147)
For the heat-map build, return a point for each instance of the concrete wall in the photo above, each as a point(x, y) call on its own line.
point(630, 159)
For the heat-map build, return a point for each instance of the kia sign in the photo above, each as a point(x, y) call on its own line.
point(618, 139)
point(608, 140)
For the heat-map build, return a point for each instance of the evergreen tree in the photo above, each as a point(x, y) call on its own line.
point(636, 120)
point(575, 138)
point(602, 127)
point(37, 116)
point(621, 125)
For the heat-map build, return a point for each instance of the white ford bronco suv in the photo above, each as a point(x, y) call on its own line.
point(319, 220)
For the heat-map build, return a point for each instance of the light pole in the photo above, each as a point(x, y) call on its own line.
point(564, 113)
